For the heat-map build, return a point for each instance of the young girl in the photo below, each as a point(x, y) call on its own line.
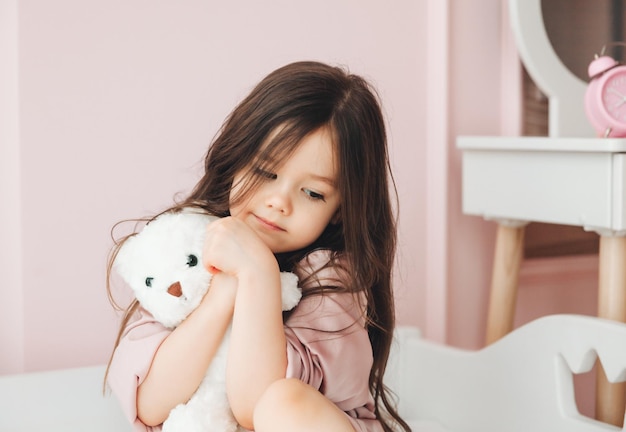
point(299, 174)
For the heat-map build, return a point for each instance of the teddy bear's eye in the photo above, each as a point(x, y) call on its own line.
point(149, 282)
point(192, 260)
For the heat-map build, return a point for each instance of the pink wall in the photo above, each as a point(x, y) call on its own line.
point(475, 109)
point(114, 104)
point(11, 307)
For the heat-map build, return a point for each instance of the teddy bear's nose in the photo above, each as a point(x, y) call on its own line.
point(175, 289)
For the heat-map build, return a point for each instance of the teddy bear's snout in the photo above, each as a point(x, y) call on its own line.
point(175, 289)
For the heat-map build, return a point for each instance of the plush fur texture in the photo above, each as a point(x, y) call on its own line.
point(163, 266)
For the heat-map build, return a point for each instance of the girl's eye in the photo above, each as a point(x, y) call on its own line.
point(192, 261)
point(314, 195)
point(149, 282)
point(265, 174)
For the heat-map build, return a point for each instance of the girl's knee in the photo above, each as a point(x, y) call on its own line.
point(289, 404)
point(284, 405)
point(287, 394)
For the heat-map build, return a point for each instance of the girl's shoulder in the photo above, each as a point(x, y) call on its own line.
point(328, 301)
point(323, 268)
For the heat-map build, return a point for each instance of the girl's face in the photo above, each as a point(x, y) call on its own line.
point(294, 203)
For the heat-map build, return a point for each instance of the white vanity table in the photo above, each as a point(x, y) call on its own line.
point(566, 181)
point(577, 180)
point(569, 181)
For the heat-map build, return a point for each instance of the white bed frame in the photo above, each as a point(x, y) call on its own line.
point(523, 382)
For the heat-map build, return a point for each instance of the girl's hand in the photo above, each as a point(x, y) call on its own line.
point(230, 246)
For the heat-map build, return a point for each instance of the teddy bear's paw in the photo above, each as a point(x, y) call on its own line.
point(290, 291)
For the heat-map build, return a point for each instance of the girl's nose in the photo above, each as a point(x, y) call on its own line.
point(278, 199)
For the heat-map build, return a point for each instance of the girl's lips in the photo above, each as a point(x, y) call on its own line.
point(267, 224)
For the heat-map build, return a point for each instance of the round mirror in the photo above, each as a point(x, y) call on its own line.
point(564, 89)
point(578, 29)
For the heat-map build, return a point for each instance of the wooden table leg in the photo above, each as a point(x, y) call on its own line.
point(506, 264)
point(610, 400)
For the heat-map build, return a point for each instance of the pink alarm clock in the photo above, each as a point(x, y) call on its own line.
point(605, 98)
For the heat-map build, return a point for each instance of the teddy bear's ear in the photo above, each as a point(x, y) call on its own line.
point(124, 254)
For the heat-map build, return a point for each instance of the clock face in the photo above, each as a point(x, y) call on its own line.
point(614, 95)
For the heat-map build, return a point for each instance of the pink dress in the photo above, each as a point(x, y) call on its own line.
point(327, 347)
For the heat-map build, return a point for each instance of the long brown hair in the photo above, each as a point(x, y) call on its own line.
point(286, 106)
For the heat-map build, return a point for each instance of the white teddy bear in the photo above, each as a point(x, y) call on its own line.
point(163, 266)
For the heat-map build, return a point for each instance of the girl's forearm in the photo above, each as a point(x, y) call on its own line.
point(181, 361)
point(257, 355)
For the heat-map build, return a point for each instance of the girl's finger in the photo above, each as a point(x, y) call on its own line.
point(213, 270)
